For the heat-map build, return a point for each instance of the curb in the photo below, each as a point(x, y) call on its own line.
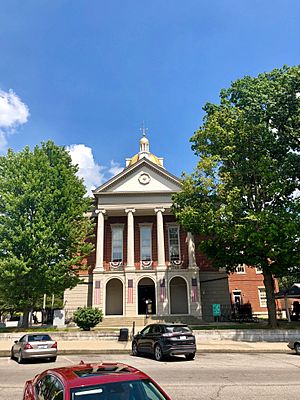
point(6, 353)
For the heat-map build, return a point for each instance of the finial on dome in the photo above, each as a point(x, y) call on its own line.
point(143, 129)
point(144, 142)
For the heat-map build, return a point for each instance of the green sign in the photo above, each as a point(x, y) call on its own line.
point(216, 310)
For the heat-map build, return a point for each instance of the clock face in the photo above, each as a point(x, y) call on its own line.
point(144, 178)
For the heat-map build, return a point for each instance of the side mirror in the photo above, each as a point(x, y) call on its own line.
point(16, 341)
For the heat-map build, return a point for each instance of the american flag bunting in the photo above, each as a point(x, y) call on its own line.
point(130, 291)
point(97, 292)
point(163, 292)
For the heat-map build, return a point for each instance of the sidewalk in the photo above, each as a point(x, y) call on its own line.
point(118, 347)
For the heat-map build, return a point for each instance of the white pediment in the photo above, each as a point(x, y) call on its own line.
point(143, 177)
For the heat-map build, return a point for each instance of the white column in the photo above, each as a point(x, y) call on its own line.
point(160, 238)
point(130, 237)
point(100, 240)
point(191, 251)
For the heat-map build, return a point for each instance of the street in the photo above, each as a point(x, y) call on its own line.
point(213, 376)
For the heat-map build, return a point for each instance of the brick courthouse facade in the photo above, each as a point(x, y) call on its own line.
point(142, 256)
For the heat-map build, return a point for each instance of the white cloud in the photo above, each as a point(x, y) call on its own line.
point(115, 168)
point(13, 112)
point(92, 173)
point(89, 170)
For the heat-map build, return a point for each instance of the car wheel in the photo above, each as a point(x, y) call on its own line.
point(190, 356)
point(135, 351)
point(158, 355)
point(20, 357)
point(297, 348)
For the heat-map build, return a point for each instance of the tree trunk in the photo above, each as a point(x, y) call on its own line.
point(269, 285)
point(25, 320)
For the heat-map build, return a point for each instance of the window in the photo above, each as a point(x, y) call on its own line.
point(258, 270)
point(174, 244)
point(236, 296)
point(262, 297)
point(240, 269)
point(145, 242)
point(117, 243)
point(49, 387)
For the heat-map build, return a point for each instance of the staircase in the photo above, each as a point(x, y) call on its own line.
point(141, 321)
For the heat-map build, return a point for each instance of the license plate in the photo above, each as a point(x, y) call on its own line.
point(183, 337)
point(42, 346)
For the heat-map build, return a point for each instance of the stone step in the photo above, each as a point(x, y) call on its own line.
point(140, 321)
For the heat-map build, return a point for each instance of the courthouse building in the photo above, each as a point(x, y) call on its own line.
point(144, 262)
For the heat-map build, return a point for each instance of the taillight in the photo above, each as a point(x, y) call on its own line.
point(54, 346)
point(28, 346)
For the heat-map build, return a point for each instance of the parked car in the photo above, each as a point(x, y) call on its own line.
point(35, 345)
point(163, 340)
point(295, 345)
point(104, 381)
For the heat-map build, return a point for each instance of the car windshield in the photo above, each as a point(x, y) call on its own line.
point(38, 338)
point(127, 390)
point(178, 329)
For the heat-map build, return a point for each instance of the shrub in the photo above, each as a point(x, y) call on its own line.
point(87, 317)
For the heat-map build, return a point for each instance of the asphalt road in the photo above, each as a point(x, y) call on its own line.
point(210, 376)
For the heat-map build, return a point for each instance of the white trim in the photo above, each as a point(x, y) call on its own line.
point(262, 299)
point(243, 269)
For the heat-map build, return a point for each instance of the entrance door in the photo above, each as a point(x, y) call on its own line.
point(114, 297)
point(178, 296)
point(146, 293)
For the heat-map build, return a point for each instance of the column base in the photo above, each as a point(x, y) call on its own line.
point(161, 268)
point(129, 269)
point(98, 269)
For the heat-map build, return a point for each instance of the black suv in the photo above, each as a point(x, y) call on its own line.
point(165, 340)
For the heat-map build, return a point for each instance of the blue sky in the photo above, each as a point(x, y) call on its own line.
point(88, 72)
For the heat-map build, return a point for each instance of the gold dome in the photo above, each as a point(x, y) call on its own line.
point(150, 157)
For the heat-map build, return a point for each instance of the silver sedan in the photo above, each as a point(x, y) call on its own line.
point(36, 345)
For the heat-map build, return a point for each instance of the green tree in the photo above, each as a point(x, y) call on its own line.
point(43, 228)
point(243, 197)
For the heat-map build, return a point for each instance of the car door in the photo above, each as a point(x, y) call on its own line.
point(18, 344)
point(154, 335)
point(142, 339)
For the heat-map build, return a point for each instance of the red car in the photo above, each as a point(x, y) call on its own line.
point(104, 381)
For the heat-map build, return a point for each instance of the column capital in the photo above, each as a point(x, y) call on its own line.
point(161, 209)
point(100, 211)
point(128, 210)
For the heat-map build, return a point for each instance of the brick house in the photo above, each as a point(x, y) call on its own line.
point(144, 261)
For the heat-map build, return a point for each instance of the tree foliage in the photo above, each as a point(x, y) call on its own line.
point(42, 225)
point(243, 197)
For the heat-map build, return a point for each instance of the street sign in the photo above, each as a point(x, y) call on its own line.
point(216, 310)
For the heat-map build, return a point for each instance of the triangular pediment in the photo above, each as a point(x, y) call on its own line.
point(142, 177)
